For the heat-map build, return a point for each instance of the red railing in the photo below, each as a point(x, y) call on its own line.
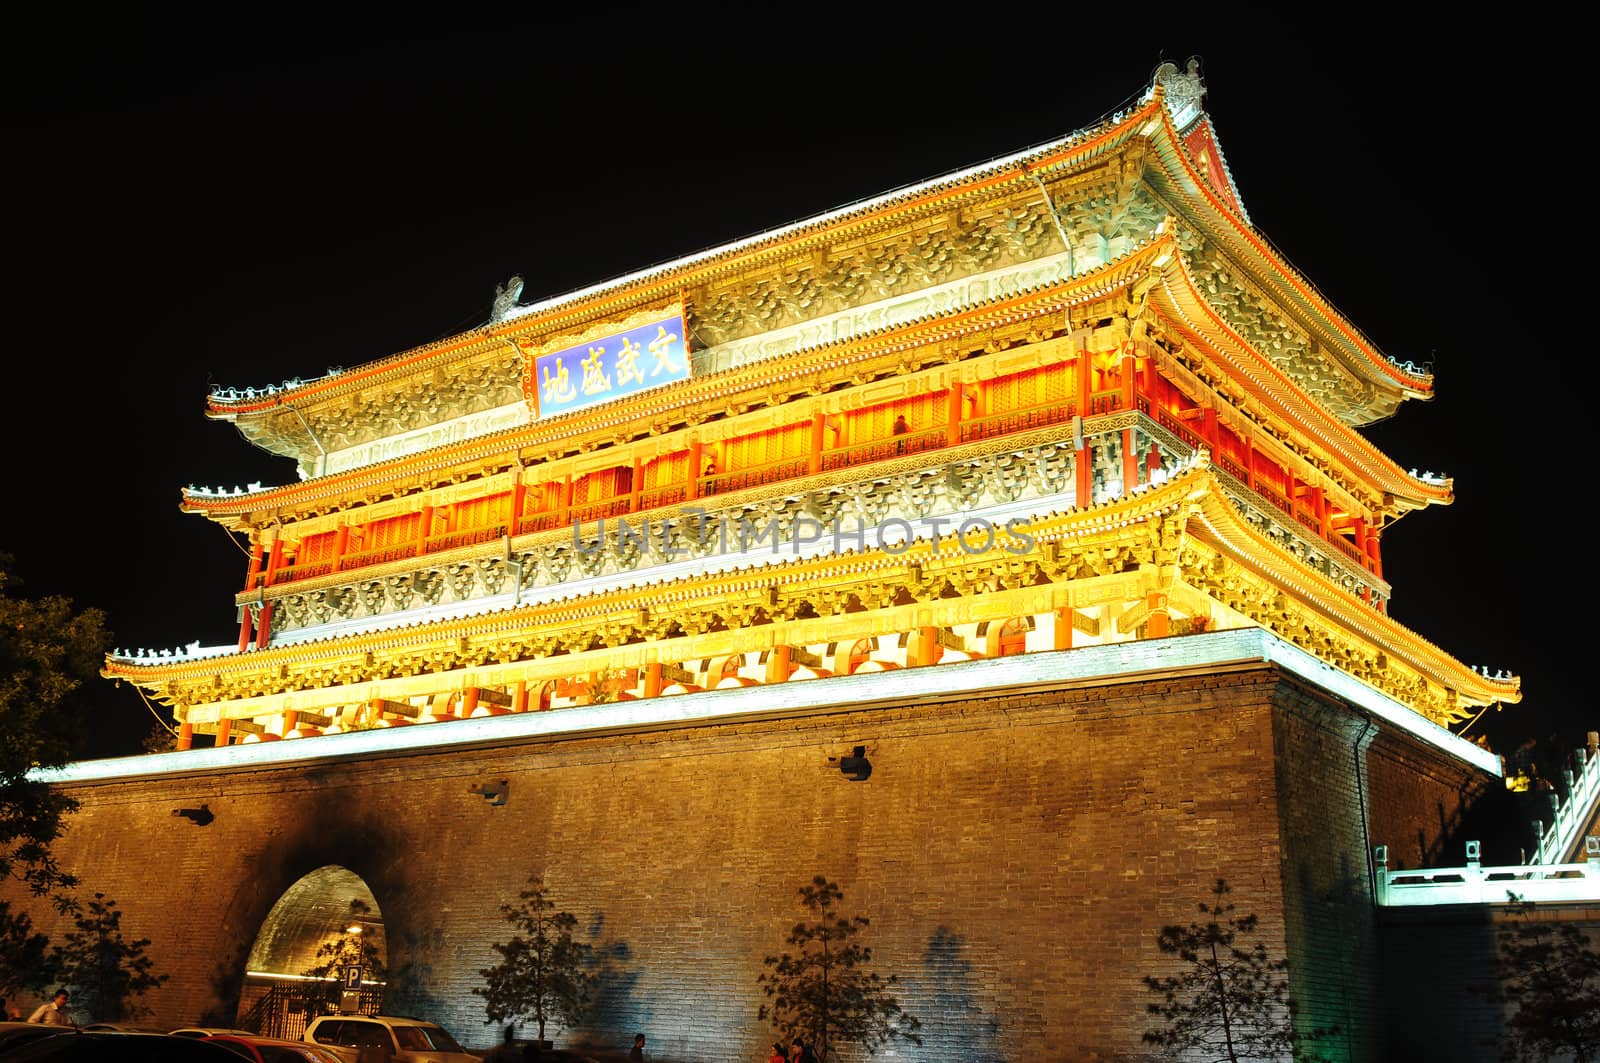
point(1108, 401)
point(309, 570)
point(853, 455)
point(738, 479)
point(1024, 420)
point(363, 558)
point(1169, 420)
point(884, 449)
point(1234, 469)
point(469, 537)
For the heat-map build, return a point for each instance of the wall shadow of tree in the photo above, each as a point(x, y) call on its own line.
point(410, 991)
point(954, 1022)
point(614, 1011)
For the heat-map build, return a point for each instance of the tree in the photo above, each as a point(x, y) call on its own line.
point(541, 976)
point(1552, 975)
point(352, 948)
point(105, 970)
point(24, 963)
point(822, 992)
point(1230, 1003)
point(46, 653)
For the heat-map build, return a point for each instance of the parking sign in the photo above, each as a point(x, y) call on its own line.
point(350, 975)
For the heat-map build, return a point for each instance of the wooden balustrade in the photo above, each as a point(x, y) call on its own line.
point(852, 455)
point(468, 537)
point(884, 449)
point(1022, 420)
point(739, 479)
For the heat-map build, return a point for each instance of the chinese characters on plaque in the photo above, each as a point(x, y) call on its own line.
point(610, 367)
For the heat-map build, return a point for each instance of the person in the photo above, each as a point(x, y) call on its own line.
point(5, 1010)
point(777, 1054)
point(53, 1013)
point(637, 1053)
point(507, 1051)
point(806, 1055)
point(900, 428)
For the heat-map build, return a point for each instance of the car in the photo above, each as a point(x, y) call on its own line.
point(397, 1037)
point(13, 1034)
point(260, 1049)
point(121, 1027)
point(210, 1031)
point(118, 1046)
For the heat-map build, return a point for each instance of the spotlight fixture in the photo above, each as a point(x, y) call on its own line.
point(856, 767)
point(198, 816)
point(493, 792)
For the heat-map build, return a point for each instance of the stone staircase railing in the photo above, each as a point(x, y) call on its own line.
point(1569, 816)
point(1476, 884)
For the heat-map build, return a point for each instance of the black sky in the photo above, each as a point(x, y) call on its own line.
point(237, 202)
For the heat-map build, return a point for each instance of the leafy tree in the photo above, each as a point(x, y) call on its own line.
point(1552, 975)
point(105, 970)
point(1230, 1003)
point(822, 992)
point(353, 946)
point(46, 653)
point(542, 975)
point(24, 962)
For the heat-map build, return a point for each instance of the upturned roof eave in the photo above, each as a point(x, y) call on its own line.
point(1362, 356)
point(1272, 385)
point(1071, 150)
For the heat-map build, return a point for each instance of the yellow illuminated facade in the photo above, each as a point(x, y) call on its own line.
point(1066, 399)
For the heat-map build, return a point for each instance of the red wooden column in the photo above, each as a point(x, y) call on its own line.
point(652, 680)
point(696, 463)
point(469, 701)
point(264, 626)
point(952, 422)
point(778, 667)
point(519, 498)
point(819, 435)
point(290, 719)
point(923, 647)
point(637, 480)
point(224, 731)
point(1063, 636)
point(274, 560)
point(186, 736)
point(1084, 472)
point(1324, 518)
point(1129, 368)
point(424, 528)
point(519, 697)
point(1375, 553)
point(1160, 623)
point(244, 628)
point(1130, 462)
point(255, 567)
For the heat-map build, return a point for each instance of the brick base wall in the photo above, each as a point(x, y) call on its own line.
point(1017, 856)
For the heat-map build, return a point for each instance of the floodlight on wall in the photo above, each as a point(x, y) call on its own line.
point(198, 816)
point(493, 792)
point(1591, 847)
point(1474, 853)
point(856, 767)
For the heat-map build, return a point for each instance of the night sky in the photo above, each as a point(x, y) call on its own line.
point(199, 203)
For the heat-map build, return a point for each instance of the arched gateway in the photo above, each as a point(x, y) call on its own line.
point(321, 947)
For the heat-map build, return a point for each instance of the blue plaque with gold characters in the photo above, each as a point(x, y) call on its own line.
point(609, 367)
